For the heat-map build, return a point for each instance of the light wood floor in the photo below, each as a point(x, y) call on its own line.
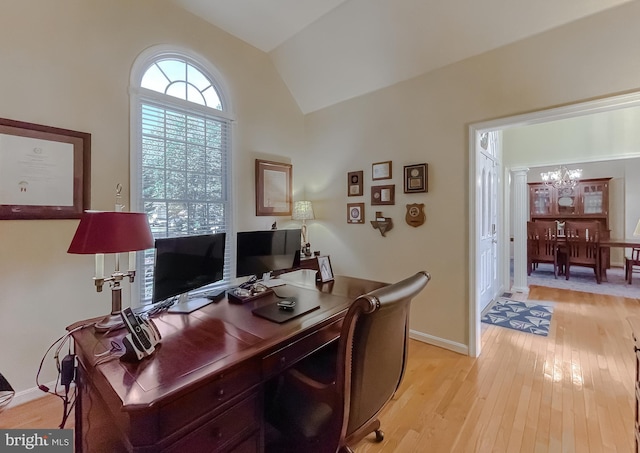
point(569, 392)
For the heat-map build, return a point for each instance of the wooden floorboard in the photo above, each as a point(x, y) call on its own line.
point(571, 391)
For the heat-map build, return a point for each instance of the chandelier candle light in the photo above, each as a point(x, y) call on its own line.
point(303, 210)
point(561, 177)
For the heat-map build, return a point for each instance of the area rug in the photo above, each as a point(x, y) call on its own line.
point(523, 316)
point(582, 279)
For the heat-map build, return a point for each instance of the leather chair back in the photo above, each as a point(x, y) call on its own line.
point(374, 343)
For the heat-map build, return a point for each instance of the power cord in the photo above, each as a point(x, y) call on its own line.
point(66, 372)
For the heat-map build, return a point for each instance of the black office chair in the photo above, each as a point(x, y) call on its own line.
point(6, 392)
point(332, 399)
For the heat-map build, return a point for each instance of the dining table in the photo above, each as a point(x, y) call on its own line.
point(606, 244)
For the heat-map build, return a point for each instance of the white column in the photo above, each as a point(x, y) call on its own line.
point(520, 203)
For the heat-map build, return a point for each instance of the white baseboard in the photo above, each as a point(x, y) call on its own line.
point(440, 342)
point(31, 394)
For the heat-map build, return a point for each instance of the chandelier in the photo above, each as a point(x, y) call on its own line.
point(562, 177)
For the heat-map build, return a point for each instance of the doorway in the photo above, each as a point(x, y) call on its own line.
point(476, 163)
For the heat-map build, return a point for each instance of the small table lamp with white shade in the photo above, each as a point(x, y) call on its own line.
point(303, 210)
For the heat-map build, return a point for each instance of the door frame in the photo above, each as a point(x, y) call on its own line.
point(537, 117)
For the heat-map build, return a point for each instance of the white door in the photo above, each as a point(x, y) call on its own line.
point(487, 225)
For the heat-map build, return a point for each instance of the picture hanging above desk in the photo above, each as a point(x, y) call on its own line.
point(273, 188)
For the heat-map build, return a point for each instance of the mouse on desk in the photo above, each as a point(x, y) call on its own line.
point(287, 305)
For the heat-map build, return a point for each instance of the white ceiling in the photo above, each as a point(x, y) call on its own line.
point(328, 51)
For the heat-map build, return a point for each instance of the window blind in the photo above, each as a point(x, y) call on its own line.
point(184, 180)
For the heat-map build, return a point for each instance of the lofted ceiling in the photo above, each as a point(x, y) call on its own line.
point(328, 51)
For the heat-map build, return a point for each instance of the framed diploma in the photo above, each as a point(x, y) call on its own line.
point(44, 171)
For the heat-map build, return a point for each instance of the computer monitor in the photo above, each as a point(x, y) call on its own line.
point(259, 252)
point(186, 263)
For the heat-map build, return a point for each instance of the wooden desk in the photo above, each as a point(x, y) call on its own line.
point(202, 390)
point(604, 246)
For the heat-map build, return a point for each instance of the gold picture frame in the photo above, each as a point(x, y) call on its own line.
point(273, 188)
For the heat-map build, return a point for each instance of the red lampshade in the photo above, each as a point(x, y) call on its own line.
point(111, 232)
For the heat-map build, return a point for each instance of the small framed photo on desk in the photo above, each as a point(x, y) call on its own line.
point(325, 273)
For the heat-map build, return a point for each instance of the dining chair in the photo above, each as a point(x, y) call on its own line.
point(632, 264)
point(582, 242)
point(542, 245)
point(331, 399)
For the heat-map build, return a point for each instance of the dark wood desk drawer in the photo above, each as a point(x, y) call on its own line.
point(220, 389)
point(225, 430)
point(283, 358)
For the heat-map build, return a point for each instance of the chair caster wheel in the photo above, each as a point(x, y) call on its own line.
point(379, 435)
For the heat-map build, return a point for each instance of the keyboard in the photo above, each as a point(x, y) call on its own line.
point(272, 282)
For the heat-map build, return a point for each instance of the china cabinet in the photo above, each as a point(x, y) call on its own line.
point(589, 199)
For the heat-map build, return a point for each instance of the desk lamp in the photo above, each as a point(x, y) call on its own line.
point(637, 231)
point(112, 232)
point(303, 210)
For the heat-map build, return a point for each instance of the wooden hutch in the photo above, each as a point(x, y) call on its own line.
point(588, 200)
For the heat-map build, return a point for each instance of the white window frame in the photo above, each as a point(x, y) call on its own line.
point(138, 96)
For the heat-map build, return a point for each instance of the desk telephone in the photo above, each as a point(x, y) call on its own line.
point(142, 338)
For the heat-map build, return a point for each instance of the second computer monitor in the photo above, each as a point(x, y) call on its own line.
point(259, 252)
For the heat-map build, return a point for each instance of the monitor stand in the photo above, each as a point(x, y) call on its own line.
point(186, 305)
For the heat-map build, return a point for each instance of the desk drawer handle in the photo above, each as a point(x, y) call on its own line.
point(217, 433)
point(283, 360)
point(220, 393)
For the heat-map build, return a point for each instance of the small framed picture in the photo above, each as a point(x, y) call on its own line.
point(355, 212)
point(383, 194)
point(354, 183)
point(325, 274)
point(415, 178)
point(381, 170)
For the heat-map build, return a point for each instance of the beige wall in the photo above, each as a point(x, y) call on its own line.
point(596, 137)
point(67, 64)
point(425, 120)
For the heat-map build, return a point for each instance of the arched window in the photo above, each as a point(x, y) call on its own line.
point(181, 143)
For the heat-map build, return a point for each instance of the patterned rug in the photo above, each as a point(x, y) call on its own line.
point(524, 316)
